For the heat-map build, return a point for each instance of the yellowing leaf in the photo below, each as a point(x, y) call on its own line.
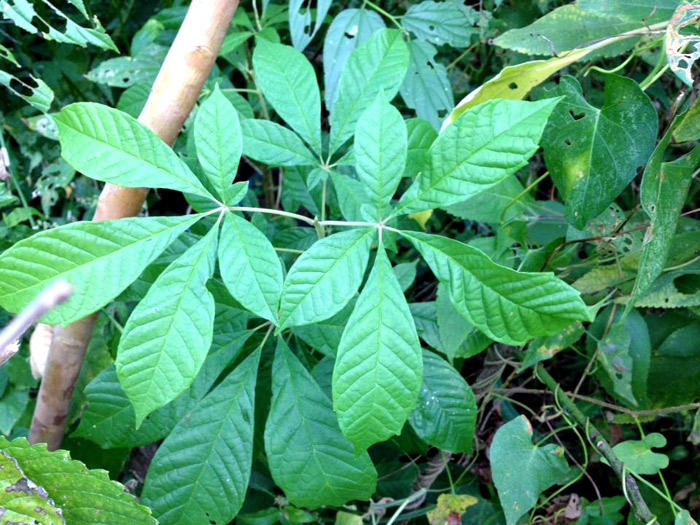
point(450, 508)
point(421, 217)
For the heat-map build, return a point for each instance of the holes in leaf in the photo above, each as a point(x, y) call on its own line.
point(687, 284)
point(349, 35)
point(576, 116)
point(568, 142)
point(512, 85)
point(126, 79)
point(430, 65)
point(431, 27)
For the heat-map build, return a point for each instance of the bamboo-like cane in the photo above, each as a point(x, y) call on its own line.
point(174, 93)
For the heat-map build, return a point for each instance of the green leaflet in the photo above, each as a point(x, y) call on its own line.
point(288, 81)
point(300, 28)
point(664, 191)
point(427, 88)
point(309, 457)
point(378, 368)
point(250, 268)
point(442, 22)
point(274, 145)
point(217, 136)
point(445, 415)
point(352, 196)
point(108, 145)
point(99, 259)
point(201, 471)
point(380, 153)
point(85, 496)
point(348, 30)
point(421, 135)
point(483, 146)
point(521, 470)
point(582, 144)
point(23, 501)
point(495, 204)
point(324, 279)
point(168, 335)
point(689, 124)
point(639, 457)
point(378, 64)
point(509, 306)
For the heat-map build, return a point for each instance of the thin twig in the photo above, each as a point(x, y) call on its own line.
point(54, 295)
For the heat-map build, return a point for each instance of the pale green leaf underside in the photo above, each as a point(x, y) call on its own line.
point(380, 152)
point(168, 335)
point(482, 147)
point(521, 470)
point(288, 81)
point(309, 457)
point(201, 471)
point(378, 368)
point(217, 137)
point(109, 145)
point(508, 306)
point(445, 415)
point(78, 491)
point(99, 259)
point(275, 145)
point(324, 279)
point(250, 268)
point(378, 64)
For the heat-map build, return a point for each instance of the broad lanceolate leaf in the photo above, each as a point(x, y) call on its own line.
point(168, 335)
point(288, 81)
point(85, 496)
point(22, 500)
point(582, 144)
point(352, 196)
point(378, 368)
point(664, 191)
point(421, 136)
point(217, 136)
point(380, 153)
point(200, 473)
point(108, 145)
point(274, 145)
point(427, 88)
point(348, 30)
point(99, 259)
point(481, 148)
point(521, 470)
point(450, 22)
point(309, 457)
point(509, 306)
point(378, 64)
point(445, 416)
point(324, 279)
point(250, 268)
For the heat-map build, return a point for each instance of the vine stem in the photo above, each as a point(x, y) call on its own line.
point(629, 483)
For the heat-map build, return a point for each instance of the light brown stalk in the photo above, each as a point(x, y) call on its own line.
point(172, 97)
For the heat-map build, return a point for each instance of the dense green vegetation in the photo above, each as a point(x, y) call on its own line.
point(427, 261)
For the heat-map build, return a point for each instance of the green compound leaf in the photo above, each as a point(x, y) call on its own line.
point(168, 335)
point(217, 137)
point(521, 470)
point(85, 496)
point(483, 146)
point(445, 415)
point(288, 81)
point(201, 471)
point(250, 268)
point(22, 500)
point(442, 22)
point(380, 152)
point(582, 144)
point(324, 279)
point(108, 145)
point(309, 457)
point(275, 145)
point(99, 259)
point(378, 64)
point(508, 306)
point(378, 368)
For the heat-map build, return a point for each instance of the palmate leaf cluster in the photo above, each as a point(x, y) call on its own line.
point(277, 346)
